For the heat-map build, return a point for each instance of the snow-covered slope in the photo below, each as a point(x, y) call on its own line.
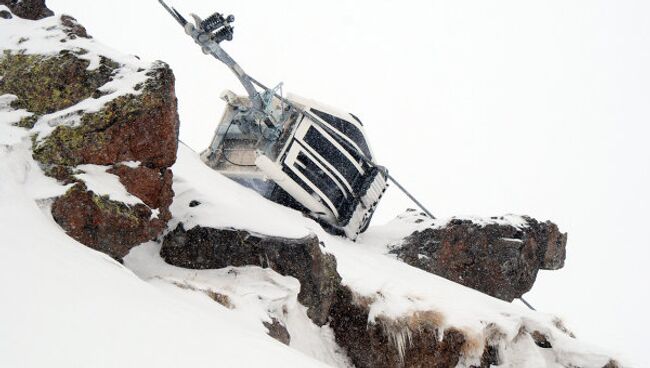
point(396, 289)
point(67, 305)
point(70, 305)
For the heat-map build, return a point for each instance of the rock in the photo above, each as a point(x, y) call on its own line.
point(222, 299)
point(133, 132)
point(541, 340)
point(375, 344)
point(490, 356)
point(107, 226)
point(612, 364)
point(73, 28)
point(420, 338)
point(113, 227)
point(412, 341)
point(203, 248)
point(140, 128)
point(152, 185)
point(495, 257)
point(278, 331)
point(28, 9)
point(5, 14)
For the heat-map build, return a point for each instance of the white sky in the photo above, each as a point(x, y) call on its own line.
point(478, 107)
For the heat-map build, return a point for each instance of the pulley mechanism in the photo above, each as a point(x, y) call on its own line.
point(219, 27)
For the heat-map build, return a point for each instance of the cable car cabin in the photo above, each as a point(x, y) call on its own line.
point(304, 155)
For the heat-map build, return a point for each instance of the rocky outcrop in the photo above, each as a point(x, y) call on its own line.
point(413, 341)
point(143, 129)
point(202, 248)
point(424, 339)
point(86, 107)
point(321, 291)
point(28, 9)
point(495, 256)
point(417, 339)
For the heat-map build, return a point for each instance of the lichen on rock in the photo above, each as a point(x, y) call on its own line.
point(140, 127)
point(87, 104)
point(45, 84)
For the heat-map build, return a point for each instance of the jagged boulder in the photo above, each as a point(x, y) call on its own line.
point(204, 247)
point(88, 105)
point(499, 256)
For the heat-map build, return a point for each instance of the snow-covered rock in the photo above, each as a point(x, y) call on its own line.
point(202, 247)
point(92, 113)
point(499, 256)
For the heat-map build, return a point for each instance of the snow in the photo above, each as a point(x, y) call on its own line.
point(9, 134)
point(494, 107)
point(65, 286)
point(382, 238)
point(105, 184)
point(60, 288)
point(226, 204)
point(45, 37)
point(131, 164)
point(67, 305)
point(255, 295)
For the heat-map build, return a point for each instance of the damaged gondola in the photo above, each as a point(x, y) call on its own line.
point(293, 151)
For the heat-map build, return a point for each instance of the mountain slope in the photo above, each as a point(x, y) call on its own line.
point(68, 305)
point(393, 291)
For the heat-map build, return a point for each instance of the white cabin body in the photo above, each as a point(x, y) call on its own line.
point(315, 160)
